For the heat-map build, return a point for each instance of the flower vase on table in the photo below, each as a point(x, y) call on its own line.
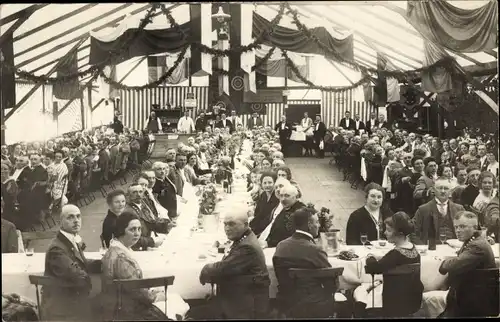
point(329, 241)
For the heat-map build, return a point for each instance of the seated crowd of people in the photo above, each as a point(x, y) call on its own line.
point(141, 217)
point(38, 177)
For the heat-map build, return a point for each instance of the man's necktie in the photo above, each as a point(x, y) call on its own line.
point(441, 208)
point(152, 205)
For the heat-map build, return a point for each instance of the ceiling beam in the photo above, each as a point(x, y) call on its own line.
point(21, 13)
point(112, 23)
point(37, 85)
point(402, 13)
point(16, 25)
point(71, 30)
point(54, 21)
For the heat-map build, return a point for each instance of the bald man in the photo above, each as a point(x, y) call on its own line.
point(65, 262)
point(240, 298)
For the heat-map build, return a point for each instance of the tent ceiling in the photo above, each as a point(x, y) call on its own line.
point(54, 29)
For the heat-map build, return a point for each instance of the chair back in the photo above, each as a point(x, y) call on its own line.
point(133, 284)
point(39, 280)
point(478, 296)
point(37, 235)
point(402, 304)
point(331, 272)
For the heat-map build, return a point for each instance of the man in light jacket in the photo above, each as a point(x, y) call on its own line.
point(186, 124)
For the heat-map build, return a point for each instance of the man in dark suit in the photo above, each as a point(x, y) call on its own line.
point(22, 175)
point(318, 136)
point(177, 174)
point(136, 205)
point(305, 299)
point(439, 212)
point(9, 236)
point(347, 123)
point(358, 124)
point(66, 262)
point(382, 123)
point(241, 276)
point(254, 121)
point(200, 123)
point(38, 177)
point(372, 123)
point(284, 130)
point(470, 192)
point(164, 189)
point(224, 122)
point(476, 253)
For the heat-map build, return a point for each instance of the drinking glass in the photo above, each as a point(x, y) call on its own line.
point(442, 238)
point(102, 250)
point(364, 239)
point(30, 251)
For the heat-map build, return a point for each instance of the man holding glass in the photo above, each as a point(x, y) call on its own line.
point(437, 215)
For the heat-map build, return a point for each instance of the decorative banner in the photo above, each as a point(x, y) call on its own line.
point(264, 96)
point(70, 89)
point(237, 83)
point(250, 108)
point(247, 58)
point(7, 77)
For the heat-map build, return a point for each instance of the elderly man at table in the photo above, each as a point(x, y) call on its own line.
point(65, 262)
point(439, 213)
point(137, 206)
point(164, 189)
point(476, 253)
point(281, 226)
point(238, 297)
point(151, 198)
point(312, 298)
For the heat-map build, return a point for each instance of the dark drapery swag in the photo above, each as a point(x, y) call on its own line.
point(380, 88)
point(7, 75)
point(69, 89)
point(462, 30)
point(279, 68)
point(148, 42)
point(296, 41)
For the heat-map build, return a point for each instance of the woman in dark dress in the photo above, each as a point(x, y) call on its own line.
point(369, 219)
point(10, 190)
point(116, 203)
point(265, 204)
point(401, 293)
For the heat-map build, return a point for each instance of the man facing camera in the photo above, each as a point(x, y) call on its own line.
point(476, 253)
point(241, 276)
point(314, 298)
point(65, 262)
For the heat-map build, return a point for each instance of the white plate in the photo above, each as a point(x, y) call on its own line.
point(455, 243)
point(376, 244)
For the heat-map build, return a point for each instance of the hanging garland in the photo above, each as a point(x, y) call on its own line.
point(219, 71)
point(445, 62)
point(333, 89)
point(92, 70)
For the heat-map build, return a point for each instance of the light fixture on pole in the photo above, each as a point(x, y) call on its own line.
point(223, 27)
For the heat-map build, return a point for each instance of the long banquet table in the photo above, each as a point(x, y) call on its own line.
point(185, 251)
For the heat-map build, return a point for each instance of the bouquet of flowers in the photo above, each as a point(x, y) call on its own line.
point(208, 199)
point(325, 219)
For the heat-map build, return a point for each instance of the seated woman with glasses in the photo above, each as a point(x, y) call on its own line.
point(401, 294)
point(119, 263)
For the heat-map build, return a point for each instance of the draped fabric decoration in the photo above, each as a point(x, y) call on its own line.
point(70, 89)
point(150, 42)
point(392, 84)
point(276, 65)
point(461, 30)
point(247, 59)
point(380, 89)
point(296, 41)
point(106, 91)
point(7, 75)
point(201, 32)
point(159, 64)
point(436, 80)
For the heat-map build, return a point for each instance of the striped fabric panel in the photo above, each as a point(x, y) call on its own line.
point(136, 105)
point(334, 106)
point(71, 118)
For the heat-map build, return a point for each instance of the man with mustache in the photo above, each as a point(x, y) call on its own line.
point(66, 262)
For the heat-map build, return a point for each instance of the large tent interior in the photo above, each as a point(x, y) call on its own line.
point(43, 34)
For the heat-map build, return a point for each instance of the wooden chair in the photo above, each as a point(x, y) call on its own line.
point(28, 237)
point(134, 284)
point(478, 295)
point(38, 280)
point(297, 274)
point(402, 271)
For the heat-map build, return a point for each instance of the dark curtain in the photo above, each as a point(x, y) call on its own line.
point(7, 77)
point(294, 40)
point(69, 89)
point(195, 15)
point(250, 108)
point(148, 42)
point(236, 74)
point(279, 68)
point(380, 88)
point(462, 30)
